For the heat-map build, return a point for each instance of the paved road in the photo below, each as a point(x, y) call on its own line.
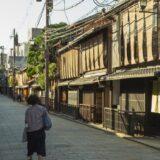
point(66, 140)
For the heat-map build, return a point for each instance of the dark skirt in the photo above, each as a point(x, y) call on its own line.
point(36, 142)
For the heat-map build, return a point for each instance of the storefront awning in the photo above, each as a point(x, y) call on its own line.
point(35, 86)
point(21, 87)
point(84, 81)
point(80, 81)
point(134, 73)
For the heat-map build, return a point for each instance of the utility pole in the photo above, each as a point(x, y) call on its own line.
point(49, 7)
point(47, 58)
point(14, 55)
point(2, 53)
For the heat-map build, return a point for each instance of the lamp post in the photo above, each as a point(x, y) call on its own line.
point(49, 7)
point(143, 4)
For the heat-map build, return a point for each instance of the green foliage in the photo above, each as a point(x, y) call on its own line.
point(35, 60)
point(40, 80)
point(52, 69)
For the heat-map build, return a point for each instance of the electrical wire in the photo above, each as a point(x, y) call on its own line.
point(59, 2)
point(73, 29)
point(24, 19)
point(70, 7)
point(110, 4)
point(64, 1)
point(40, 16)
point(110, 12)
point(102, 4)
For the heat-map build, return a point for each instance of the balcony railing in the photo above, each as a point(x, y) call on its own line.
point(132, 123)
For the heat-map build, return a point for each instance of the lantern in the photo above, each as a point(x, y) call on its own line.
point(143, 4)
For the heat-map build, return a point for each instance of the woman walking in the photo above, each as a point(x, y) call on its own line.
point(35, 128)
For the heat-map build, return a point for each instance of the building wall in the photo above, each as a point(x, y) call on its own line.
point(135, 36)
point(133, 95)
point(91, 56)
point(69, 64)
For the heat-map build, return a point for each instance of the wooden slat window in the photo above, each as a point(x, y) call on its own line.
point(101, 51)
point(96, 53)
point(87, 56)
point(83, 58)
point(91, 48)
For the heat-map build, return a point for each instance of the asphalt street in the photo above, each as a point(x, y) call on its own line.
point(66, 140)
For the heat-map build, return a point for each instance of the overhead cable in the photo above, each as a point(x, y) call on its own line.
point(70, 7)
point(40, 16)
point(64, 1)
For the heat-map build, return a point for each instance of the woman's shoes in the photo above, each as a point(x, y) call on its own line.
point(29, 158)
point(41, 158)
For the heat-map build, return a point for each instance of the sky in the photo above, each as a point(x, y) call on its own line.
point(23, 15)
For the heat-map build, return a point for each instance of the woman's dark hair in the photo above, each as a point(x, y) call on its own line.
point(33, 99)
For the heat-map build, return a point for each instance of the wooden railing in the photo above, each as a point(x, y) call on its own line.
point(90, 113)
point(71, 110)
point(87, 113)
point(124, 121)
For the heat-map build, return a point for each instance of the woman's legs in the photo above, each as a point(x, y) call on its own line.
point(40, 145)
point(36, 143)
point(30, 145)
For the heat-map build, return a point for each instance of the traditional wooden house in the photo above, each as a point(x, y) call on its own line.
point(135, 107)
point(82, 64)
point(22, 87)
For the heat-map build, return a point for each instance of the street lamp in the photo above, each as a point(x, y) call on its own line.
point(143, 4)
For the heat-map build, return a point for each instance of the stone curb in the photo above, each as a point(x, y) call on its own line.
point(142, 143)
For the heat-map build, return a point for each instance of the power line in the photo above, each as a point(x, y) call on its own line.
point(59, 2)
point(66, 31)
point(64, 1)
point(109, 5)
point(40, 16)
point(24, 19)
point(70, 7)
point(102, 4)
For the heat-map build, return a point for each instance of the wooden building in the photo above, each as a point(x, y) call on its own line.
point(135, 64)
point(109, 73)
point(82, 64)
point(22, 87)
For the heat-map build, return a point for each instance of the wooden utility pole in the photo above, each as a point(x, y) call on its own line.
point(14, 55)
point(49, 6)
point(46, 58)
point(2, 54)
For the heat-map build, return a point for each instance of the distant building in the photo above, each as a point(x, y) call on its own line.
point(3, 59)
point(22, 49)
point(20, 62)
point(34, 32)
